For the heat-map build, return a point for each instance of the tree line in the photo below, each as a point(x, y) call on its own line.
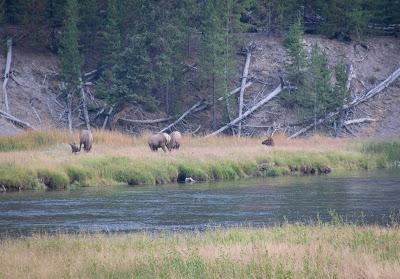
point(155, 53)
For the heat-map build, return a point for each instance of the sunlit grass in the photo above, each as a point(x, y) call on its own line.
point(47, 162)
point(290, 251)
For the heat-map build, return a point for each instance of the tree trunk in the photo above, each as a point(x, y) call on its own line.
point(242, 87)
point(214, 124)
point(84, 107)
point(107, 117)
point(167, 97)
point(250, 111)
point(7, 73)
point(69, 104)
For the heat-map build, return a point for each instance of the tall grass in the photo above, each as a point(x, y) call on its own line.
point(290, 251)
point(116, 158)
point(31, 140)
point(389, 149)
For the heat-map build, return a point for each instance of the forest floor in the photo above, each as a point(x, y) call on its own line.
point(43, 159)
point(332, 250)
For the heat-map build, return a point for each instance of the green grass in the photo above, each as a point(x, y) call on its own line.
point(120, 159)
point(389, 150)
point(289, 251)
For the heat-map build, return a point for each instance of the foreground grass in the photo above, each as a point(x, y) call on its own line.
point(291, 251)
point(43, 159)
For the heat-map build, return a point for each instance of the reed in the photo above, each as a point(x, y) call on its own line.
point(288, 251)
point(47, 162)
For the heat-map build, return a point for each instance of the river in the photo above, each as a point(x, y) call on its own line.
point(368, 197)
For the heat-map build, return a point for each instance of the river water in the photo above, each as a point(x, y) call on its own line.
point(367, 197)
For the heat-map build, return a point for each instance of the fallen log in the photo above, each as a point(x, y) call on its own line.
point(265, 100)
point(186, 113)
point(381, 86)
point(149, 121)
point(359, 121)
point(7, 73)
point(234, 91)
point(16, 121)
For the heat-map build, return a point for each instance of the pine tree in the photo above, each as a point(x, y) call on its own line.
point(297, 63)
point(89, 23)
point(212, 55)
point(70, 57)
point(2, 12)
point(343, 18)
point(318, 84)
point(342, 94)
point(112, 36)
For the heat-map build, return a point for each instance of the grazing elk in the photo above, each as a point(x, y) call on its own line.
point(74, 148)
point(85, 139)
point(269, 141)
point(175, 143)
point(157, 141)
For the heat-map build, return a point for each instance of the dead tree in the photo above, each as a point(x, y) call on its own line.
point(242, 88)
point(196, 107)
point(16, 121)
point(107, 117)
point(368, 95)
point(149, 121)
point(69, 106)
point(7, 73)
point(263, 101)
point(84, 107)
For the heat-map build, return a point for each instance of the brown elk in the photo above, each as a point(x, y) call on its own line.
point(157, 141)
point(85, 139)
point(175, 143)
point(74, 148)
point(269, 141)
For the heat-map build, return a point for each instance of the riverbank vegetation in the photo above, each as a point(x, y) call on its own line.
point(43, 159)
point(289, 251)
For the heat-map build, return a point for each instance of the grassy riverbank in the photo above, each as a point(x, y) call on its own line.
point(291, 251)
point(43, 159)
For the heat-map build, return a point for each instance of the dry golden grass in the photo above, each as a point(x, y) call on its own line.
point(283, 252)
point(119, 158)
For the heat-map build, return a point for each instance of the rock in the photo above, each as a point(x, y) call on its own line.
point(263, 167)
point(307, 170)
point(189, 180)
point(293, 168)
point(324, 170)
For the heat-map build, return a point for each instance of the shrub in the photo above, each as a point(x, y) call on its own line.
point(16, 178)
point(53, 179)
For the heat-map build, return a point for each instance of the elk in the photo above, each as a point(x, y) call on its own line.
point(270, 141)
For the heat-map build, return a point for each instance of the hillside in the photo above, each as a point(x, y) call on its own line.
point(36, 96)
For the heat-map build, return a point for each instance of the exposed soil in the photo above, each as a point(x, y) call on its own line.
point(36, 86)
